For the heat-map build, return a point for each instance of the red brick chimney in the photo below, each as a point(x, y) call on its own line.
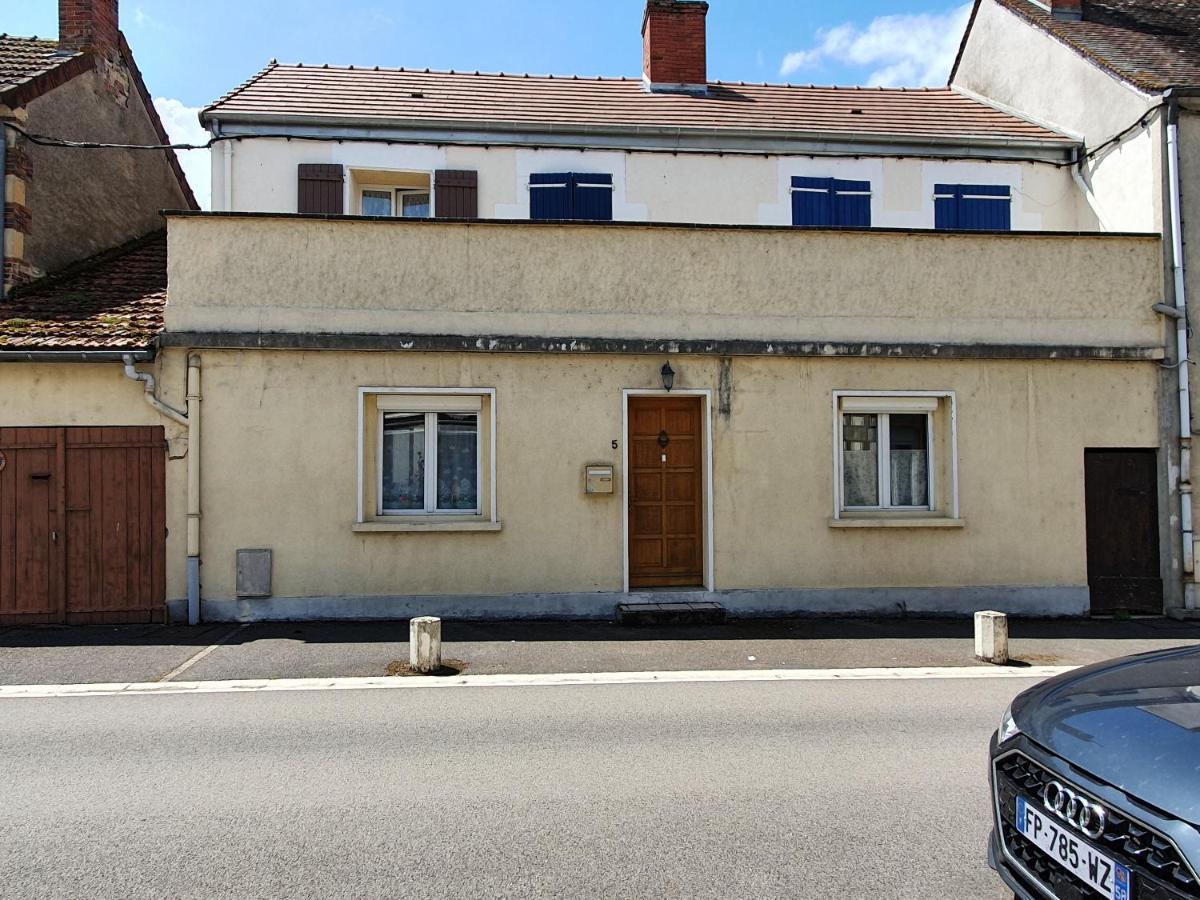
point(674, 53)
point(1067, 10)
point(87, 24)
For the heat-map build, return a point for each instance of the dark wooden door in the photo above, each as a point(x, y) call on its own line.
point(1123, 566)
point(31, 575)
point(82, 525)
point(115, 524)
point(666, 497)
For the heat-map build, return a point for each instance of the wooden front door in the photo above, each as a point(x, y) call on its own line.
point(666, 496)
point(1123, 567)
point(82, 525)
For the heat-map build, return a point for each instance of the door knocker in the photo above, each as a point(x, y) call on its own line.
point(663, 439)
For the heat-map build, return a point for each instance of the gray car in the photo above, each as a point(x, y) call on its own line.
point(1095, 783)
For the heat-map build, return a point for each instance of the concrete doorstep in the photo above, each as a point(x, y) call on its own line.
point(278, 650)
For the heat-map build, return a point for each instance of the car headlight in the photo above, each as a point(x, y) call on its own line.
point(1008, 726)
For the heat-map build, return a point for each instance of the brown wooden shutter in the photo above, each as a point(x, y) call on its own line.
point(319, 189)
point(456, 194)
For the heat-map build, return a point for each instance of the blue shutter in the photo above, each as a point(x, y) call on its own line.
point(553, 202)
point(968, 207)
point(852, 203)
point(945, 206)
point(984, 214)
point(812, 201)
point(592, 203)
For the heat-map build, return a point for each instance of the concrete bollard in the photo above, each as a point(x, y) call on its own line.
point(991, 637)
point(425, 644)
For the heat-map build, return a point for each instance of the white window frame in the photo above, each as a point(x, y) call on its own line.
point(885, 404)
point(424, 402)
point(397, 192)
point(431, 467)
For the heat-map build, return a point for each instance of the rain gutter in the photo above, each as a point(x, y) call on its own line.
point(500, 133)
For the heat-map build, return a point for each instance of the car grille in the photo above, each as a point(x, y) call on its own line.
point(1159, 871)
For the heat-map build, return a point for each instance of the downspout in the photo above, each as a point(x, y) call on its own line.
point(226, 168)
point(151, 396)
point(192, 420)
point(1181, 343)
point(227, 153)
point(193, 488)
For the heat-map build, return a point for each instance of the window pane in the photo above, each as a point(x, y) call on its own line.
point(415, 206)
point(403, 461)
point(376, 203)
point(909, 459)
point(860, 459)
point(457, 464)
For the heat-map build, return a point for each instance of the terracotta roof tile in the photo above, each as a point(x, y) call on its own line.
point(499, 100)
point(1152, 44)
point(25, 58)
point(112, 301)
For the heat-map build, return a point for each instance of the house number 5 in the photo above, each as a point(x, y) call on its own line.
point(614, 445)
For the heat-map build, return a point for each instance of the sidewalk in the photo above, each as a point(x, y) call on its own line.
point(325, 650)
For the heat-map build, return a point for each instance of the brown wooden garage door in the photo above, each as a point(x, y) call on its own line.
point(82, 525)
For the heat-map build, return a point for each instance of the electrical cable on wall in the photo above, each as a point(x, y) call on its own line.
point(48, 141)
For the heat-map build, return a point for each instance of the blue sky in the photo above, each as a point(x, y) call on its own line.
point(192, 52)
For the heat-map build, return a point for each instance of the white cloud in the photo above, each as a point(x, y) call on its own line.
point(911, 50)
point(184, 128)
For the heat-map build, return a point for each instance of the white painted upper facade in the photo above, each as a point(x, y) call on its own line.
point(258, 174)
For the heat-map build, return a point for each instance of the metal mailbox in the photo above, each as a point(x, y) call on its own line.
point(598, 479)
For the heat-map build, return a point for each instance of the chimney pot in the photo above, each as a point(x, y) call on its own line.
point(674, 52)
point(87, 25)
point(1067, 10)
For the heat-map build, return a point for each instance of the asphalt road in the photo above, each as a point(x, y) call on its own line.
point(803, 789)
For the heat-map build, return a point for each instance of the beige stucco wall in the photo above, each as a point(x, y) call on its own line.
point(726, 189)
point(280, 454)
point(65, 394)
point(1009, 61)
point(280, 274)
point(85, 201)
point(280, 446)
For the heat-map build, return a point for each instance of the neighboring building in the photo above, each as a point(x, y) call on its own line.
point(61, 205)
point(83, 530)
point(792, 349)
point(1123, 77)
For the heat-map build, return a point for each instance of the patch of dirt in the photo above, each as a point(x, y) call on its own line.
point(400, 668)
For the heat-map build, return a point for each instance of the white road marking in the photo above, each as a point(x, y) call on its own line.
point(196, 657)
point(244, 686)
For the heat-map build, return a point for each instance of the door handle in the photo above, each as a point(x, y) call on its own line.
point(54, 535)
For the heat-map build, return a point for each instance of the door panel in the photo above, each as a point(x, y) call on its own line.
point(30, 570)
point(666, 536)
point(1123, 566)
point(116, 524)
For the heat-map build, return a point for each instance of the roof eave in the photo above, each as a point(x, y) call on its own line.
point(631, 137)
point(111, 354)
point(21, 93)
point(1146, 89)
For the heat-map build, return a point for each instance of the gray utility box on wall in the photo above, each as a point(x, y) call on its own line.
point(254, 573)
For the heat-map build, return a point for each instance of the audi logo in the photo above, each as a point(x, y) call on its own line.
point(1088, 817)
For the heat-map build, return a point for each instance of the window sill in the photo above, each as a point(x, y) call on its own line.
point(417, 525)
point(897, 522)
